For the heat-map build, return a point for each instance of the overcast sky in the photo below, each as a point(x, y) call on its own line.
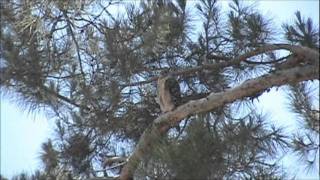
point(23, 133)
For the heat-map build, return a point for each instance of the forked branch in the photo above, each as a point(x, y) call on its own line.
point(164, 122)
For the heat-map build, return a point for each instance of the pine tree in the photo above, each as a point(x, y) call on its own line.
point(94, 71)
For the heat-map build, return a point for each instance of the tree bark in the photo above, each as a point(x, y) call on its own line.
point(230, 62)
point(251, 87)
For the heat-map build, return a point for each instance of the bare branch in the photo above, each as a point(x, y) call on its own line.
point(260, 50)
point(267, 62)
point(63, 98)
point(112, 160)
point(75, 42)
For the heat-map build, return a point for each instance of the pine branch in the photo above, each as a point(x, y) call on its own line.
point(244, 57)
point(69, 23)
point(63, 98)
point(164, 122)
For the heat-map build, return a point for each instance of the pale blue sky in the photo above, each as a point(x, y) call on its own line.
point(21, 138)
point(22, 134)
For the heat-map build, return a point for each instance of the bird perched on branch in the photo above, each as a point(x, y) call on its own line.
point(169, 95)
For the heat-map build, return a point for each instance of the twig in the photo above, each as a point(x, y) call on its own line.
point(75, 42)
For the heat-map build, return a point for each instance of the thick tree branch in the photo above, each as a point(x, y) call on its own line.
point(260, 50)
point(163, 123)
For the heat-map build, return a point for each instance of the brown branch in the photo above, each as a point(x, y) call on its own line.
point(260, 50)
point(164, 122)
point(266, 62)
point(63, 77)
point(112, 160)
point(63, 98)
point(69, 23)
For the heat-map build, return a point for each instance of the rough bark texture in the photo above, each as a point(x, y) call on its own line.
point(230, 62)
point(163, 123)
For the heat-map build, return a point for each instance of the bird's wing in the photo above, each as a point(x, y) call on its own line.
point(174, 88)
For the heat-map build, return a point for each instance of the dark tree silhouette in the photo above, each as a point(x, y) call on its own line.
point(93, 66)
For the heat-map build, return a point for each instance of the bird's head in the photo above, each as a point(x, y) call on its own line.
point(167, 73)
point(164, 72)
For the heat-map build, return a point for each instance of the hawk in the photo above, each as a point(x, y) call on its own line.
point(169, 95)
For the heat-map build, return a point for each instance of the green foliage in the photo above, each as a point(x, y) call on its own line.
point(306, 143)
point(302, 32)
point(90, 68)
point(49, 157)
point(3, 178)
point(214, 152)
